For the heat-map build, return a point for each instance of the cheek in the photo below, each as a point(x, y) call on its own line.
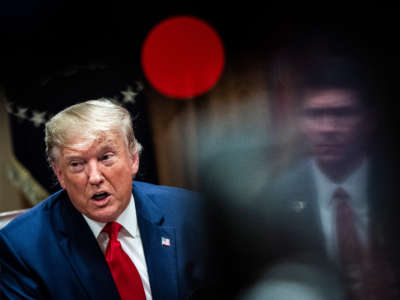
point(75, 182)
point(303, 126)
point(308, 128)
point(121, 183)
point(121, 178)
point(61, 181)
point(355, 128)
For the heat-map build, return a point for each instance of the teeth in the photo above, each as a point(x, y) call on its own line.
point(100, 196)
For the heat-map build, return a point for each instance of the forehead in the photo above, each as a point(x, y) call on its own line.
point(80, 145)
point(330, 98)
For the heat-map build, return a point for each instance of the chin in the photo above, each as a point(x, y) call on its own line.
point(329, 159)
point(105, 217)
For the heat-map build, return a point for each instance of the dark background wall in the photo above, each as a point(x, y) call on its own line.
point(40, 37)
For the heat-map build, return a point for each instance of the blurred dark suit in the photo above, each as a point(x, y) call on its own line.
point(294, 224)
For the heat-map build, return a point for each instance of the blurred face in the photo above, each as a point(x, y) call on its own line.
point(97, 177)
point(335, 125)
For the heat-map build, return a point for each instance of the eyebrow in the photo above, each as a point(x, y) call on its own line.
point(101, 150)
point(107, 148)
point(72, 157)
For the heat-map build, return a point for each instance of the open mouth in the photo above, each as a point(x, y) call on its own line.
point(100, 196)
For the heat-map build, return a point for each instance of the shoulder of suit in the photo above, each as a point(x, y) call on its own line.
point(172, 201)
point(295, 173)
point(35, 216)
point(157, 190)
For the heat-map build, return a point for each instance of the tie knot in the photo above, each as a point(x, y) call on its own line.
point(340, 195)
point(112, 229)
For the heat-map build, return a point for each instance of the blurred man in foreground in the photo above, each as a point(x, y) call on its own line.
point(339, 201)
point(324, 224)
point(101, 237)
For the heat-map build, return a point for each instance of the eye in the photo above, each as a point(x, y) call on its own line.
point(313, 114)
point(108, 158)
point(76, 166)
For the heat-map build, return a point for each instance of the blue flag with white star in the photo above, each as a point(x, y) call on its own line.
point(33, 101)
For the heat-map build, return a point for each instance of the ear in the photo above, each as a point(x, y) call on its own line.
point(134, 164)
point(60, 176)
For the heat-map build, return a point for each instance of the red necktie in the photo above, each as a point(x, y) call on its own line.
point(349, 244)
point(369, 276)
point(124, 272)
point(350, 249)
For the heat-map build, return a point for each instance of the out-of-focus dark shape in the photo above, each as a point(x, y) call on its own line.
point(265, 210)
point(247, 232)
point(340, 118)
point(294, 281)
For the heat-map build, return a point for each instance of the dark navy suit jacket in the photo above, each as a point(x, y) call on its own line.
point(51, 253)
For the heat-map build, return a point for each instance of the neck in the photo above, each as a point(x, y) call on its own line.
point(338, 172)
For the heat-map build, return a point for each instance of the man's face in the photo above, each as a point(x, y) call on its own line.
point(98, 177)
point(335, 125)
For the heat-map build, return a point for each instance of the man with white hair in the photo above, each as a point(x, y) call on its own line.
point(101, 237)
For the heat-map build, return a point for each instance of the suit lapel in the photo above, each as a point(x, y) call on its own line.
point(304, 207)
point(81, 249)
point(160, 259)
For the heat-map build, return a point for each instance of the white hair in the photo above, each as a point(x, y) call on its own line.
point(89, 120)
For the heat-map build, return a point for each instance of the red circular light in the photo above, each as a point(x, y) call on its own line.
point(182, 57)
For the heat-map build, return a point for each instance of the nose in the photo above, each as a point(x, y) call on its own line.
point(328, 124)
point(94, 173)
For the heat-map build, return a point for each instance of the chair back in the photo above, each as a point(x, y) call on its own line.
point(6, 217)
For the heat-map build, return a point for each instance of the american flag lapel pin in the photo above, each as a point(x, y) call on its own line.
point(299, 206)
point(166, 242)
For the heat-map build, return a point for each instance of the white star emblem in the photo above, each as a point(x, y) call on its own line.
point(9, 107)
point(21, 113)
point(38, 118)
point(129, 95)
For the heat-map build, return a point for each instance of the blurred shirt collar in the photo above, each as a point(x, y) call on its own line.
point(355, 184)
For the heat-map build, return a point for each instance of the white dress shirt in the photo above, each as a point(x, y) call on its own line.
point(356, 187)
point(130, 240)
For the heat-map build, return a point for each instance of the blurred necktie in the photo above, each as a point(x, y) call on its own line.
point(124, 272)
point(366, 269)
point(348, 241)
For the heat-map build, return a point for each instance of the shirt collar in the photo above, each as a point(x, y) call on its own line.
point(355, 184)
point(127, 219)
